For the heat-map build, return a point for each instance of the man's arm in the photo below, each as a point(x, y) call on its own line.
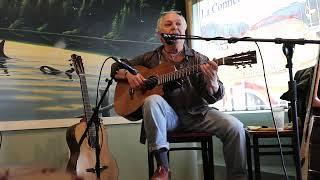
point(213, 96)
point(119, 73)
point(135, 81)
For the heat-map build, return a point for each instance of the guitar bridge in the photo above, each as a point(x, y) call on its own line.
point(131, 93)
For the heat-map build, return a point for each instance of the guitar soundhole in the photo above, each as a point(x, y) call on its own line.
point(150, 83)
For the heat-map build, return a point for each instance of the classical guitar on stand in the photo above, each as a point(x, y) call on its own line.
point(127, 101)
point(83, 154)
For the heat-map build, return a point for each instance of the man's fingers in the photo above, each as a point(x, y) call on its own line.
point(213, 64)
point(136, 81)
point(206, 70)
point(209, 70)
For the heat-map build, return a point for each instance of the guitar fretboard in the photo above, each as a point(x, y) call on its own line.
point(236, 59)
point(178, 74)
point(87, 108)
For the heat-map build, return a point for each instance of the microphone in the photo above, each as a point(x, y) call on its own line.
point(126, 66)
point(169, 38)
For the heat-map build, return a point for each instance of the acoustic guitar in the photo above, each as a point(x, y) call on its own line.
point(82, 152)
point(309, 145)
point(127, 101)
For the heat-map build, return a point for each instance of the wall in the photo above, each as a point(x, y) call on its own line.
point(48, 148)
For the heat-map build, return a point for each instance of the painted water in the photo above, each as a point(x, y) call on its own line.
point(27, 93)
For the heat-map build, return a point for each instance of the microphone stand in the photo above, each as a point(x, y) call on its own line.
point(95, 119)
point(287, 48)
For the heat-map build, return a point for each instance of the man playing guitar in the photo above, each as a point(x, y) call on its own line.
point(184, 104)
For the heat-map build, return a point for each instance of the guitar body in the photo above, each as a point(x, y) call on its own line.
point(128, 101)
point(83, 158)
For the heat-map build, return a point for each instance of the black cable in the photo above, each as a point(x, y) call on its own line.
point(274, 123)
point(97, 95)
point(0, 139)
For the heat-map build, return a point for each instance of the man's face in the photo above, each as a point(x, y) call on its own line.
point(173, 23)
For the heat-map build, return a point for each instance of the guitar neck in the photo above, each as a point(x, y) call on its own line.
point(183, 72)
point(85, 97)
point(316, 100)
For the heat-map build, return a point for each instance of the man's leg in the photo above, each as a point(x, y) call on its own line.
point(231, 132)
point(158, 118)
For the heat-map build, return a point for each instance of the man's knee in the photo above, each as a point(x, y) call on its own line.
point(153, 99)
point(235, 126)
point(151, 103)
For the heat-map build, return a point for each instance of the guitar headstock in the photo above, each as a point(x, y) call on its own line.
point(240, 59)
point(77, 63)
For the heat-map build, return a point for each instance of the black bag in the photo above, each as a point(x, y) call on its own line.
point(303, 79)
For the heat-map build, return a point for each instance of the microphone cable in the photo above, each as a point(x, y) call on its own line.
point(269, 100)
point(99, 78)
point(0, 139)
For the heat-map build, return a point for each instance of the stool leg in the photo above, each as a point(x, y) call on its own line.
point(150, 164)
point(211, 161)
point(249, 160)
point(205, 163)
point(256, 158)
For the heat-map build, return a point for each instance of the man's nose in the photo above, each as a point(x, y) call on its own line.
point(174, 26)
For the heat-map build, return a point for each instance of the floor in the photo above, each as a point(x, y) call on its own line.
point(220, 175)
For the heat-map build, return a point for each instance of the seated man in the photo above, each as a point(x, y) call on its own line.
point(184, 105)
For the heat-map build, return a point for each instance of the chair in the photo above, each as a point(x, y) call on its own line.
point(268, 149)
point(187, 137)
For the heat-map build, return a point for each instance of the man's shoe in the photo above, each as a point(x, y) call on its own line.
point(161, 173)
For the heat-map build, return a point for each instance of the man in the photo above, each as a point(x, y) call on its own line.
point(184, 105)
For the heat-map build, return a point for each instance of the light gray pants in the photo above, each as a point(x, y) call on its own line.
point(159, 117)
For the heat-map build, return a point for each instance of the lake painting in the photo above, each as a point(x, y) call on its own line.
point(28, 92)
point(39, 37)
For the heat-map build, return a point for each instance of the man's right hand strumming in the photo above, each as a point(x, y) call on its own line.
point(134, 81)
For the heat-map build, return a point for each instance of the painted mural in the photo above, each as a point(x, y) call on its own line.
point(39, 36)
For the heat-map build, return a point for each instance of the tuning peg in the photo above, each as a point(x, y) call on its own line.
point(237, 66)
point(243, 66)
point(250, 65)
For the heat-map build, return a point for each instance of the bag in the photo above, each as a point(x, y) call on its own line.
point(303, 80)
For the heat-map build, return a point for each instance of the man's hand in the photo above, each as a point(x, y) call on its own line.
point(135, 81)
point(210, 71)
